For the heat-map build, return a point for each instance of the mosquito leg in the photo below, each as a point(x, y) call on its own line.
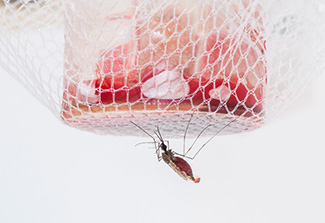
point(220, 130)
point(189, 149)
point(153, 138)
point(188, 124)
point(156, 148)
point(159, 157)
point(144, 131)
point(167, 141)
point(158, 134)
point(140, 143)
point(182, 155)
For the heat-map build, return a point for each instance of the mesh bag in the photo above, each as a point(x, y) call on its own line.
point(100, 64)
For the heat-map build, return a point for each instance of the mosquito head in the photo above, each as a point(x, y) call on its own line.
point(163, 146)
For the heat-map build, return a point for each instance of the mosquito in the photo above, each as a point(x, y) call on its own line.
point(175, 160)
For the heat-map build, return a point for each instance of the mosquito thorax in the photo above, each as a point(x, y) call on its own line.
point(166, 158)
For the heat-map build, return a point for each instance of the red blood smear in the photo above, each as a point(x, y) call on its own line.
point(236, 65)
point(232, 59)
point(240, 96)
point(121, 58)
point(183, 165)
point(117, 89)
point(120, 90)
point(119, 78)
point(164, 39)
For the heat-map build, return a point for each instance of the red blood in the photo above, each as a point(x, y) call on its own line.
point(235, 64)
point(241, 96)
point(121, 58)
point(164, 39)
point(230, 58)
point(118, 88)
point(183, 165)
point(118, 78)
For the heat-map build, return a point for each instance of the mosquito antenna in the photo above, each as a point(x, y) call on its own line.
point(188, 124)
point(220, 130)
point(158, 134)
point(144, 131)
point(153, 138)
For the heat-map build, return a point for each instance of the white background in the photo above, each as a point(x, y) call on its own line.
point(53, 173)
